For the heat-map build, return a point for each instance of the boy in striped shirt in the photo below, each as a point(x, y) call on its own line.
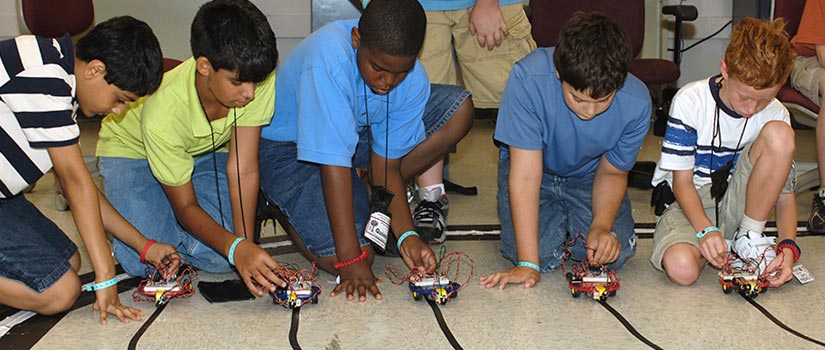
point(43, 81)
point(730, 122)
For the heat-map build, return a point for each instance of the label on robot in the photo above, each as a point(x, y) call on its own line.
point(162, 286)
point(430, 281)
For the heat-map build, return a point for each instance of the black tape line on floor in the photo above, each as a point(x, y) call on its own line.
point(293, 328)
point(145, 326)
point(780, 324)
point(629, 326)
point(443, 324)
point(28, 333)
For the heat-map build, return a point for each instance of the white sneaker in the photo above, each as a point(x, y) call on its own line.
point(753, 246)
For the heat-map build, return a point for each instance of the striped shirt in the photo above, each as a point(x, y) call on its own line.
point(37, 107)
point(690, 132)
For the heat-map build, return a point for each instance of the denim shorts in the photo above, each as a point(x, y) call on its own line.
point(33, 250)
point(139, 197)
point(295, 186)
point(564, 207)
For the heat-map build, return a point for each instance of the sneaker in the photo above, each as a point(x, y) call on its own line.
point(816, 224)
point(430, 216)
point(752, 246)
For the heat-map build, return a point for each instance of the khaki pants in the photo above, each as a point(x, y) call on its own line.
point(484, 71)
point(673, 226)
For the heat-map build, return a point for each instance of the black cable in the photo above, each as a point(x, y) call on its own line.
point(629, 326)
point(238, 170)
point(214, 162)
point(145, 326)
point(443, 324)
point(705, 38)
point(780, 324)
point(293, 328)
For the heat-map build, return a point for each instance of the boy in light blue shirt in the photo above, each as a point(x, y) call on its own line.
point(352, 95)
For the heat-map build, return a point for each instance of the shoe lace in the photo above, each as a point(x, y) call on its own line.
point(427, 211)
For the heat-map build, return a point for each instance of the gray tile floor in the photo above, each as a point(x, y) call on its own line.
point(543, 317)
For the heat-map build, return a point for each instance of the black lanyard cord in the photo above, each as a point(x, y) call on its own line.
point(369, 139)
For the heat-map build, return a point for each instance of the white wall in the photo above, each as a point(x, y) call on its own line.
point(171, 19)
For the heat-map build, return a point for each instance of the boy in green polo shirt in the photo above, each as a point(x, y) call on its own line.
point(165, 162)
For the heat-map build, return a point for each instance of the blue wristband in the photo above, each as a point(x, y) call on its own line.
point(404, 236)
point(530, 265)
point(707, 230)
point(102, 285)
point(231, 255)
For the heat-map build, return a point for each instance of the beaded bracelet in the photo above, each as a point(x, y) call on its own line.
point(146, 250)
point(790, 244)
point(404, 236)
point(102, 285)
point(231, 255)
point(530, 265)
point(341, 264)
point(707, 230)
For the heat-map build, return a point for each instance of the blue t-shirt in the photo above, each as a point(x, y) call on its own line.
point(450, 5)
point(534, 116)
point(322, 102)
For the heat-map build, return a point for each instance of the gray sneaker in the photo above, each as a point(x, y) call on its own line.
point(816, 223)
point(430, 216)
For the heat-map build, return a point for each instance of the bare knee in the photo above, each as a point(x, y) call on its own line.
point(682, 263)
point(59, 297)
point(779, 138)
point(75, 262)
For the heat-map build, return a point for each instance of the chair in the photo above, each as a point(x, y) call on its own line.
point(803, 110)
point(55, 18)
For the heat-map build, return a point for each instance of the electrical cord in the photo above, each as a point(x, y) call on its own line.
point(293, 329)
point(780, 324)
point(628, 326)
point(136, 338)
point(443, 324)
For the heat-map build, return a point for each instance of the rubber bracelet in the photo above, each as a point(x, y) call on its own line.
point(231, 255)
point(707, 230)
point(404, 236)
point(146, 250)
point(790, 244)
point(530, 265)
point(101, 285)
point(341, 264)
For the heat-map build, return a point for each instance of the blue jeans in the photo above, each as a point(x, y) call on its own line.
point(33, 250)
point(295, 186)
point(564, 206)
point(139, 197)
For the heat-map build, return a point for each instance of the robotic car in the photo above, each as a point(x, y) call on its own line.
point(440, 290)
point(297, 295)
point(165, 290)
point(596, 282)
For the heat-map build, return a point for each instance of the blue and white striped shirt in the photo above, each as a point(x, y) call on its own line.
point(690, 132)
point(37, 106)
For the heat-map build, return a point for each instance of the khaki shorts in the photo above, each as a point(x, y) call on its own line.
point(806, 77)
point(673, 226)
point(484, 71)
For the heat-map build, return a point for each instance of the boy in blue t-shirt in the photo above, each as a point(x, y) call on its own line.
point(571, 124)
point(353, 95)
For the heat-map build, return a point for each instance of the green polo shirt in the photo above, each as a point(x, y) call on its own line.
point(170, 129)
